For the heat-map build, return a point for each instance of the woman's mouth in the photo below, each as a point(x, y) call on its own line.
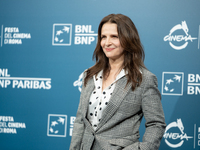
point(109, 49)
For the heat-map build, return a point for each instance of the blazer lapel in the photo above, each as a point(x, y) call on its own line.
point(85, 101)
point(117, 97)
point(86, 96)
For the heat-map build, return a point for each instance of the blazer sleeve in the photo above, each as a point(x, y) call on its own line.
point(79, 127)
point(154, 116)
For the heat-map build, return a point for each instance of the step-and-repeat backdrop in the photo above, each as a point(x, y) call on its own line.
point(46, 45)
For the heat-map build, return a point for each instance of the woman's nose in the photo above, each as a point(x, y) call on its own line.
point(108, 41)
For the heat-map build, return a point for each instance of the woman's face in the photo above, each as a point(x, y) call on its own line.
point(110, 42)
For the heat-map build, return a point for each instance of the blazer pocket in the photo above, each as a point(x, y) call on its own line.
point(121, 142)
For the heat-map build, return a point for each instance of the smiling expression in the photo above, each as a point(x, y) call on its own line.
point(110, 42)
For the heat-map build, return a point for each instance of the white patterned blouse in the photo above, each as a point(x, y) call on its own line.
point(99, 99)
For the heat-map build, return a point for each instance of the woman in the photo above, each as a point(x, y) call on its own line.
point(117, 92)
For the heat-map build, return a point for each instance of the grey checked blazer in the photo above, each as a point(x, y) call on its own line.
point(119, 125)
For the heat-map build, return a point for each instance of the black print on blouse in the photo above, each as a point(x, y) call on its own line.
point(95, 125)
point(99, 119)
point(106, 103)
point(94, 92)
point(104, 97)
point(94, 107)
point(96, 97)
point(99, 87)
point(112, 84)
point(96, 79)
point(96, 113)
point(99, 103)
point(100, 77)
point(90, 103)
point(110, 87)
point(91, 114)
point(104, 93)
point(100, 108)
point(110, 93)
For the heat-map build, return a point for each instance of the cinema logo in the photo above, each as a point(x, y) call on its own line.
point(79, 82)
point(7, 125)
point(174, 134)
point(62, 35)
point(173, 83)
point(23, 83)
point(179, 37)
point(12, 35)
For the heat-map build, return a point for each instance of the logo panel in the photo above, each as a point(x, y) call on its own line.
point(62, 34)
point(174, 134)
point(57, 125)
point(179, 36)
point(23, 82)
point(8, 125)
point(12, 36)
point(172, 83)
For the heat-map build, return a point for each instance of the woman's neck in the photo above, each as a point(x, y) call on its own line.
point(115, 65)
point(115, 68)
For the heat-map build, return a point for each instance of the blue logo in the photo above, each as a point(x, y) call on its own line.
point(172, 83)
point(57, 125)
point(62, 34)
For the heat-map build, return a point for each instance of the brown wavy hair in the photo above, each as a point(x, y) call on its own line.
point(133, 51)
